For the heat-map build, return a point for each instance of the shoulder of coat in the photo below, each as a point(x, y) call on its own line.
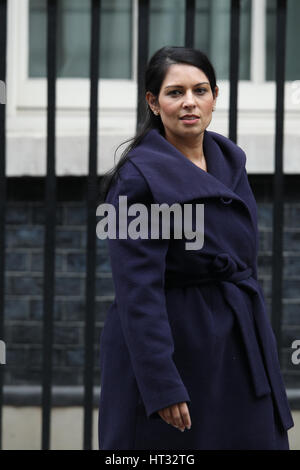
point(131, 172)
point(228, 144)
point(132, 182)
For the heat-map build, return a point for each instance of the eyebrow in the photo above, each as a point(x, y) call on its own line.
point(180, 86)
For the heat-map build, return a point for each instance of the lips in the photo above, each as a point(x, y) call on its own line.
point(189, 117)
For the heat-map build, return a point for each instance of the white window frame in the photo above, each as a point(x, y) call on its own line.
point(71, 93)
point(118, 98)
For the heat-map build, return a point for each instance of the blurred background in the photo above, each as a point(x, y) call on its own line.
point(73, 71)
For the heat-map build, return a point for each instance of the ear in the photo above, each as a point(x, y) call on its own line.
point(152, 102)
point(216, 94)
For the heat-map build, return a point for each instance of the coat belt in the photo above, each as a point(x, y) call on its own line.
point(264, 363)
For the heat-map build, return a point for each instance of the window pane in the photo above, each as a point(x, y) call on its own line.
point(73, 34)
point(212, 31)
point(292, 40)
point(166, 24)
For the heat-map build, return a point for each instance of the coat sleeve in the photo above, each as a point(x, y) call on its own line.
point(138, 269)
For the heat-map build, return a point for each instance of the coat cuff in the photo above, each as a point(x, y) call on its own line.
point(166, 399)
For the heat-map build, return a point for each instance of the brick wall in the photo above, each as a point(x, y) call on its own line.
point(24, 285)
point(262, 187)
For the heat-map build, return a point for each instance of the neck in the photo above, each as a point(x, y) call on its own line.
point(191, 148)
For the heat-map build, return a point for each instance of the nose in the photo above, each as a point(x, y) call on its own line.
point(189, 99)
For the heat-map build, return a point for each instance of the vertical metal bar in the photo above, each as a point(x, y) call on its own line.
point(143, 51)
point(190, 13)
point(234, 67)
point(91, 224)
point(50, 220)
point(3, 30)
point(278, 192)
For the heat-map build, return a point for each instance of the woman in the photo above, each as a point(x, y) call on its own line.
point(187, 344)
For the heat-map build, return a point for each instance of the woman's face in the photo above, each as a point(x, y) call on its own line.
point(185, 102)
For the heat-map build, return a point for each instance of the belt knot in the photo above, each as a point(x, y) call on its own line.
point(222, 268)
point(225, 268)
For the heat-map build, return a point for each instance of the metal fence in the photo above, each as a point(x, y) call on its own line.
point(91, 196)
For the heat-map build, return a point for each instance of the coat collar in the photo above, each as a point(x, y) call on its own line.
point(172, 177)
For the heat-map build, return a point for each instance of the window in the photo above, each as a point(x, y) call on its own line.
point(292, 40)
point(27, 90)
point(212, 35)
point(167, 26)
point(118, 54)
point(212, 31)
point(73, 39)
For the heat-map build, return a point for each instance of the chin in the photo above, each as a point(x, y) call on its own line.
point(192, 132)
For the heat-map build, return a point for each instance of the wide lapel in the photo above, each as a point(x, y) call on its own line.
point(172, 177)
point(225, 161)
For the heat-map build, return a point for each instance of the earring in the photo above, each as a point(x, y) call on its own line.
point(156, 113)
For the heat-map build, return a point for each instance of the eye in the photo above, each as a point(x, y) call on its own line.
point(201, 91)
point(174, 92)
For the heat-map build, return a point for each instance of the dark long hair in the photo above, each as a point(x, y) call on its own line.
point(155, 74)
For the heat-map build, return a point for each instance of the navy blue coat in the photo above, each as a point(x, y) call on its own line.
point(190, 325)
